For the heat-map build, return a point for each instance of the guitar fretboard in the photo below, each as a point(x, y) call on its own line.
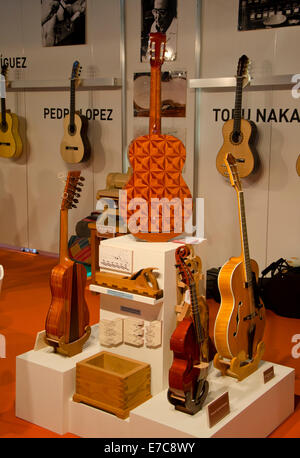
point(3, 112)
point(72, 103)
point(238, 104)
point(196, 314)
point(244, 237)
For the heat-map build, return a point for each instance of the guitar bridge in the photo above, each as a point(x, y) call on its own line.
point(72, 147)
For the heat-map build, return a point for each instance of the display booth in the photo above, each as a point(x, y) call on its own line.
point(159, 159)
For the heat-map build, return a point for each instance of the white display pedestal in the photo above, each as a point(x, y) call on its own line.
point(162, 257)
point(46, 383)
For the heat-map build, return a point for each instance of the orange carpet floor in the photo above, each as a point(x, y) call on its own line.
point(24, 304)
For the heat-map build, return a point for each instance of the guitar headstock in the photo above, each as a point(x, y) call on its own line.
point(181, 255)
point(243, 69)
point(72, 190)
point(75, 74)
point(157, 48)
point(233, 173)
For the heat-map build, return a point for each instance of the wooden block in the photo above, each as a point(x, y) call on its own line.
point(112, 383)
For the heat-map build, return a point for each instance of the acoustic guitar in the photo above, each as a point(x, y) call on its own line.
point(75, 146)
point(188, 386)
point(238, 133)
point(68, 316)
point(156, 184)
point(240, 321)
point(10, 140)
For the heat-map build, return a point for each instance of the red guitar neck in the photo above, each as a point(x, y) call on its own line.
point(155, 101)
point(157, 49)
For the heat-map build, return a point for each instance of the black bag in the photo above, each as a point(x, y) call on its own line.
point(212, 288)
point(281, 292)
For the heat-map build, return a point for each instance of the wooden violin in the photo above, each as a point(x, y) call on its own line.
point(240, 321)
point(156, 185)
point(68, 316)
point(188, 386)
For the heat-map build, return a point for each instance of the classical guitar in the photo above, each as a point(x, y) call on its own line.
point(68, 316)
point(240, 321)
point(238, 132)
point(188, 386)
point(157, 160)
point(10, 140)
point(75, 146)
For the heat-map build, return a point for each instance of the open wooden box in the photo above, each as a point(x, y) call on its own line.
point(112, 383)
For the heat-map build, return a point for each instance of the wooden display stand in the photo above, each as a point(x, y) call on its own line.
point(69, 349)
point(238, 367)
point(112, 383)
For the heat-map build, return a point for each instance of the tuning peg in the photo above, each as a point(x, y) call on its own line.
point(76, 201)
point(79, 184)
point(77, 194)
point(78, 190)
point(74, 206)
point(82, 178)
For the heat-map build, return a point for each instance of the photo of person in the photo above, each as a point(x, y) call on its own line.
point(159, 16)
point(173, 94)
point(267, 14)
point(63, 22)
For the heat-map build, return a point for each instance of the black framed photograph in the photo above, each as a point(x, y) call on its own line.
point(268, 14)
point(63, 22)
point(159, 16)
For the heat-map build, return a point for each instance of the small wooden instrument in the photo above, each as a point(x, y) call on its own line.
point(157, 161)
point(188, 386)
point(75, 146)
point(238, 132)
point(68, 316)
point(10, 140)
point(240, 322)
point(142, 282)
point(298, 165)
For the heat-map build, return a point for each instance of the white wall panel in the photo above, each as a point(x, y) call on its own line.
point(30, 193)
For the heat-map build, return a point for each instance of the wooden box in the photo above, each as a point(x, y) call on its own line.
point(112, 383)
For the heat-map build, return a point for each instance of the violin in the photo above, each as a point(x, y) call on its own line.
point(188, 386)
point(68, 316)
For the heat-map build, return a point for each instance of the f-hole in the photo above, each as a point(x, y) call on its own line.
point(237, 318)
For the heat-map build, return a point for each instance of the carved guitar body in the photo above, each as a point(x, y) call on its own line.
point(10, 140)
point(156, 184)
point(68, 315)
point(75, 146)
point(67, 321)
point(231, 327)
point(241, 150)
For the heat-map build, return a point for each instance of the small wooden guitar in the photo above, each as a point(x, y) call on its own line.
point(75, 146)
point(238, 132)
point(188, 386)
point(68, 316)
point(10, 140)
point(157, 161)
point(240, 322)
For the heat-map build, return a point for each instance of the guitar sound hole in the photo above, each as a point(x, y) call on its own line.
point(72, 129)
point(4, 126)
point(236, 137)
